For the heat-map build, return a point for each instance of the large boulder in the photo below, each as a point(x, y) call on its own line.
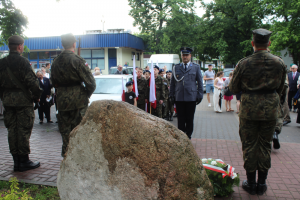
point(121, 152)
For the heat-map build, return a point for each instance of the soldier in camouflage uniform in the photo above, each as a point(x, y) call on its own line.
point(143, 88)
point(18, 88)
point(68, 73)
point(166, 85)
point(160, 93)
point(260, 77)
point(169, 105)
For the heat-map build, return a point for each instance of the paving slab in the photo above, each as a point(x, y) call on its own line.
point(215, 136)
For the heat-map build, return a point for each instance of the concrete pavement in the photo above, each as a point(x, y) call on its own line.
point(215, 136)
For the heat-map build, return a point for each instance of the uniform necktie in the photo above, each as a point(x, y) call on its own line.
point(185, 67)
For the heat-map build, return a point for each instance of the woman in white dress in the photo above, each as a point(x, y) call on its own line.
point(218, 84)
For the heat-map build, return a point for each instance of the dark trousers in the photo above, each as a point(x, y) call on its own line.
point(44, 109)
point(185, 116)
point(291, 95)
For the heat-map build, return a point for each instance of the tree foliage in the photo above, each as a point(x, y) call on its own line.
point(152, 17)
point(284, 15)
point(12, 21)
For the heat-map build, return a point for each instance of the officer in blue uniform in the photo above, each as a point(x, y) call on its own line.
point(186, 90)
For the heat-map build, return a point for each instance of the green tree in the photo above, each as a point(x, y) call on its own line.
point(228, 26)
point(12, 21)
point(284, 16)
point(151, 16)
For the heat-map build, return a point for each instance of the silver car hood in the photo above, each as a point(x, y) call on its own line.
point(97, 97)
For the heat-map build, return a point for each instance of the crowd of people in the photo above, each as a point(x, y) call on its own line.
point(163, 108)
point(260, 80)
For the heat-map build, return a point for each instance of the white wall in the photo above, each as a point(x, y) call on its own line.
point(287, 59)
point(125, 55)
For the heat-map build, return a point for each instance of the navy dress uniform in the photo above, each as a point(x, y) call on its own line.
point(187, 91)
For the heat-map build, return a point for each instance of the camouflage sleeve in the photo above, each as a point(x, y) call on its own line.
point(235, 83)
point(163, 90)
point(283, 77)
point(31, 81)
point(87, 77)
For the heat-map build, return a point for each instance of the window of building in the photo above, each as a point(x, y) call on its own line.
point(85, 53)
point(98, 63)
point(33, 55)
point(132, 54)
point(95, 57)
point(98, 53)
point(44, 55)
point(137, 56)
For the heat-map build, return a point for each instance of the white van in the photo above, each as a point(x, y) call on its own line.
point(168, 60)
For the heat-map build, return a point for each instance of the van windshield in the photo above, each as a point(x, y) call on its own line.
point(161, 65)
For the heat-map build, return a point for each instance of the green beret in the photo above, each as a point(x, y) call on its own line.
point(261, 36)
point(68, 39)
point(15, 39)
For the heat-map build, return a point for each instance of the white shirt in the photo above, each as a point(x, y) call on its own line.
point(42, 81)
point(187, 65)
point(46, 75)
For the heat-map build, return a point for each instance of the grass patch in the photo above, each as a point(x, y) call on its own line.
point(25, 191)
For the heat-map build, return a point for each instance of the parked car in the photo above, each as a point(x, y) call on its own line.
point(109, 87)
point(227, 72)
point(126, 70)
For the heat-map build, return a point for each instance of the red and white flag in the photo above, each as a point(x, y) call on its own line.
point(136, 91)
point(123, 89)
point(152, 94)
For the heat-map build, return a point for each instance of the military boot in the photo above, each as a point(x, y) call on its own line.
point(16, 162)
point(276, 144)
point(26, 164)
point(250, 184)
point(261, 183)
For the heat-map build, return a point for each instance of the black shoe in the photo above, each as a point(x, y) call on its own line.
point(49, 121)
point(175, 115)
point(41, 122)
point(286, 122)
point(26, 164)
point(276, 144)
point(16, 162)
point(261, 183)
point(250, 184)
point(56, 122)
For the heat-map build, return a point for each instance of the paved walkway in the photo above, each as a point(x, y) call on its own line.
point(215, 136)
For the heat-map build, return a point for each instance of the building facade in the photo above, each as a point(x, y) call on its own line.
point(99, 50)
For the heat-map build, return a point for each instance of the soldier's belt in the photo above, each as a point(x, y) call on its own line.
point(69, 85)
point(260, 92)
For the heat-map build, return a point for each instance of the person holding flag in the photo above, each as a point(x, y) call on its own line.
point(159, 92)
point(143, 90)
point(186, 91)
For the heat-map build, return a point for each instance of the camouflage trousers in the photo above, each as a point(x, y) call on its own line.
point(286, 111)
point(256, 137)
point(169, 108)
point(67, 121)
point(19, 123)
point(158, 111)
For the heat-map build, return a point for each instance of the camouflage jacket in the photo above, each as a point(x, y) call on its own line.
point(261, 71)
point(73, 80)
point(143, 90)
point(167, 85)
point(160, 88)
point(10, 93)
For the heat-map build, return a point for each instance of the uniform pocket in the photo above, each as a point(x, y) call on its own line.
point(26, 117)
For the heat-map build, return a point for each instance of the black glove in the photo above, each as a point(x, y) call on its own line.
point(198, 100)
point(172, 100)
